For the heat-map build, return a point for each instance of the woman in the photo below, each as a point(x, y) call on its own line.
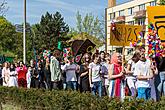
point(116, 74)
point(106, 80)
point(47, 74)
point(22, 70)
point(13, 82)
point(95, 76)
point(5, 74)
point(131, 78)
point(84, 74)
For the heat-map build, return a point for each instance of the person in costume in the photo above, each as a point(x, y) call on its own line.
point(13, 81)
point(5, 74)
point(116, 76)
point(22, 70)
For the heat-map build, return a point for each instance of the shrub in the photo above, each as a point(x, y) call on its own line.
point(40, 99)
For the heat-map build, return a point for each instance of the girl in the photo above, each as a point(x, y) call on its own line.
point(5, 74)
point(13, 76)
point(116, 74)
point(84, 74)
point(131, 78)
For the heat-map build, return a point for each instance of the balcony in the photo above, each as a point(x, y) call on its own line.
point(140, 14)
point(120, 19)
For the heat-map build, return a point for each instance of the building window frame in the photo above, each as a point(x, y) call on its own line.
point(112, 15)
point(141, 7)
point(121, 13)
point(130, 11)
point(153, 3)
point(141, 21)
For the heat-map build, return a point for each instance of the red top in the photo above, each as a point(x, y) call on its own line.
point(22, 72)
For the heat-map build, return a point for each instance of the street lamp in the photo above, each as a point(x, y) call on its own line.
point(24, 34)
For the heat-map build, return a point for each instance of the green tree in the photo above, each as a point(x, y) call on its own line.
point(89, 27)
point(3, 7)
point(161, 2)
point(7, 35)
point(50, 30)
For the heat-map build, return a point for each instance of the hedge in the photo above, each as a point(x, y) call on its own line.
point(40, 99)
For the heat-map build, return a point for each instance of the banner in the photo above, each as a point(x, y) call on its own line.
point(156, 15)
point(123, 34)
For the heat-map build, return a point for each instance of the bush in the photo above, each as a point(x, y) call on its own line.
point(38, 99)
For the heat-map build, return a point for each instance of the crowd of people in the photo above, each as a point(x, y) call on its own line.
point(100, 73)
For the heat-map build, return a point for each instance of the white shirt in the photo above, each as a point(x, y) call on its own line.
point(143, 68)
point(95, 68)
point(70, 70)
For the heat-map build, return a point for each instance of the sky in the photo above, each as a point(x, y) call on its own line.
point(68, 9)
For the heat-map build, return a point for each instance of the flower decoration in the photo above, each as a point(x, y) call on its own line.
point(138, 42)
point(46, 54)
point(154, 43)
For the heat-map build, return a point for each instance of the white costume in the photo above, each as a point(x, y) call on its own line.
point(13, 79)
point(5, 76)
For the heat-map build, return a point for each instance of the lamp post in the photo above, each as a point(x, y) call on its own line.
point(24, 34)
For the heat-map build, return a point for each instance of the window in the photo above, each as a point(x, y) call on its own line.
point(130, 11)
point(131, 22)
point(153, 3)
point(130, 51)
point(112, 15)
point(142, 7)
point(141, 21)
point(121, 13)
point(119, 50)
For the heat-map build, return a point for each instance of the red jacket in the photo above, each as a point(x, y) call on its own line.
point(22, 72)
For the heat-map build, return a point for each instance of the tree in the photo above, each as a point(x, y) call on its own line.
point(50, 30)
point(7, 35)
point(3, 7)
point(161, 2)
point(89, 27)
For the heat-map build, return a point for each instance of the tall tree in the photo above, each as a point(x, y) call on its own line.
point(7, 35)
point(50, 30)
point(161, 2)
point(90, 25)
point(3, 7)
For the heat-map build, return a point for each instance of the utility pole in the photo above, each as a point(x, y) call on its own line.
point(24, 34)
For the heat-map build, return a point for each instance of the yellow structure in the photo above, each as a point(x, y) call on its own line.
point(132, 12)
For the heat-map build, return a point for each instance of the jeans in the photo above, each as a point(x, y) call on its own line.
point(144, 93)
point(72, 85)
point(161, 86)
point(97, 86)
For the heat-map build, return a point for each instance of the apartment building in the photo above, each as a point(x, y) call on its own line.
point(132, 12)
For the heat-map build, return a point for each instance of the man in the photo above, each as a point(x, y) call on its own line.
point(55, 70)
point(144, 73)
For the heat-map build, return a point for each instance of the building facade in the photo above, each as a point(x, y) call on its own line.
point(132, 12)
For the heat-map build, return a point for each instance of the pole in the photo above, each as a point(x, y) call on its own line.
point(123, 58)
point(24, 34)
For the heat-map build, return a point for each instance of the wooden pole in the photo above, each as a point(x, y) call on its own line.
point(123, 58)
